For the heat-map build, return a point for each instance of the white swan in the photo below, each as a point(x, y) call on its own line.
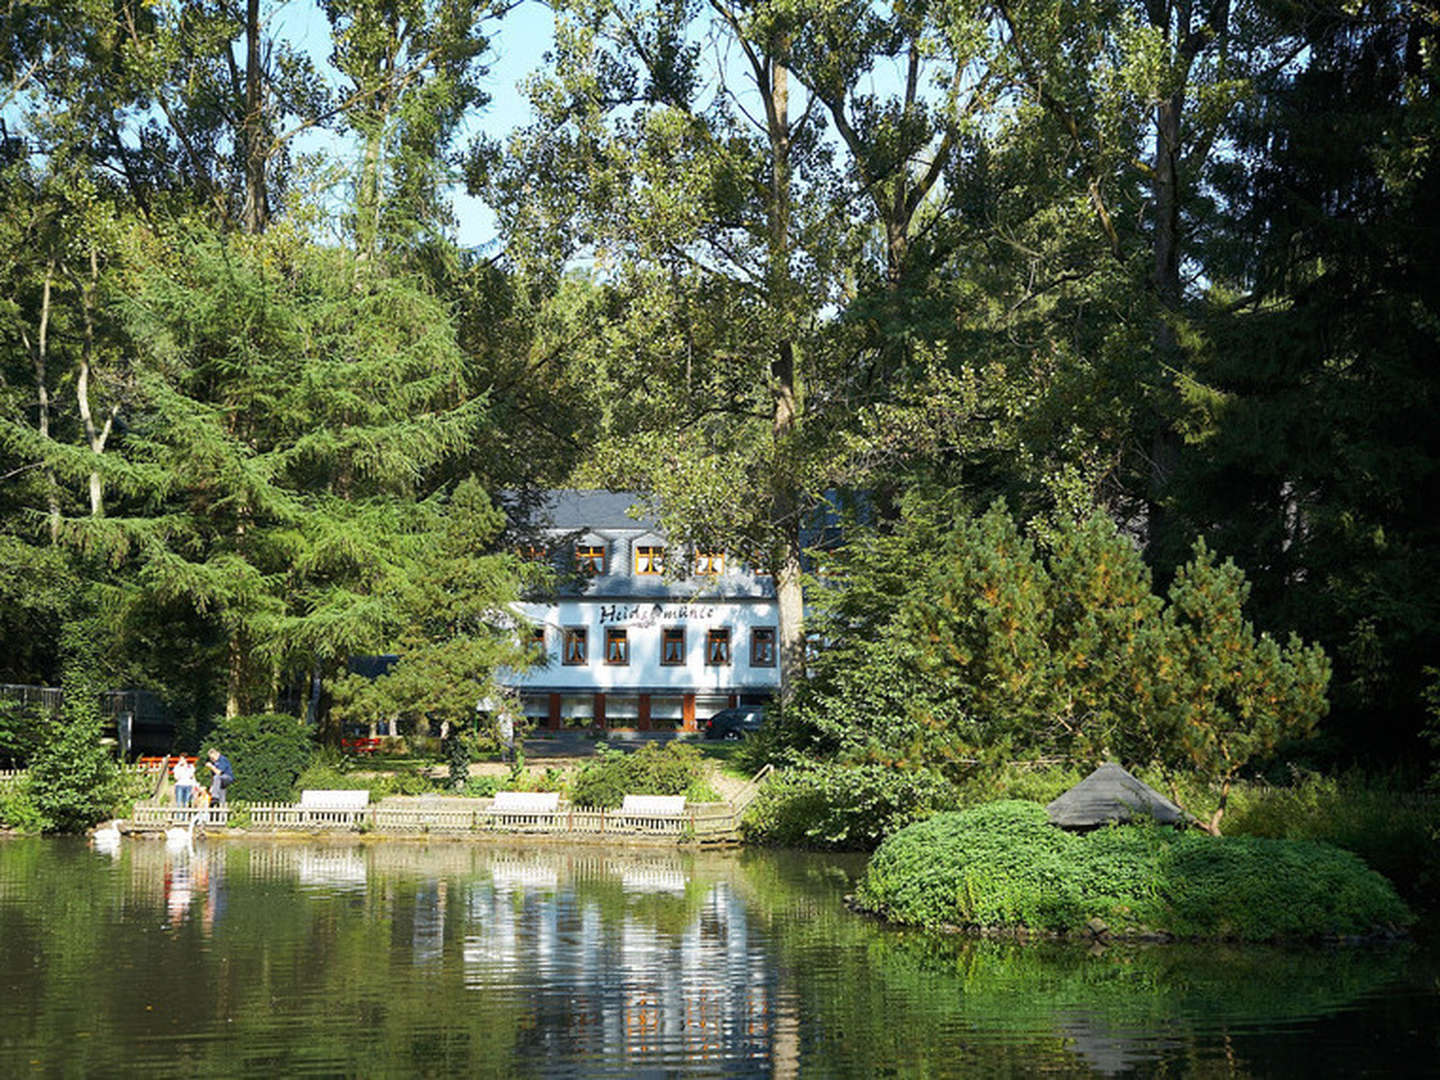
point(106, 838)
point(180, 837)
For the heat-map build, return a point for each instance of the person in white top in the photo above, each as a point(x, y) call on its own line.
point(184, 773)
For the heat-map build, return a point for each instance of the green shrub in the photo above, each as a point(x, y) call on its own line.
point(1395, 831)
point(843, 806)
point(330, 772)
point(672, 769)
point(268, 753)
point(72, 777)
point(22, 732)
point(18, 810)
point(1003, 865)
point(483, 787)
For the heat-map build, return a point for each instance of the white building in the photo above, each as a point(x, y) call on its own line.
point(638, 633)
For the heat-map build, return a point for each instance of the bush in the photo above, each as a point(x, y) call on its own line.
point(18, 810)
point(327, 772)
point(72, 777)
point(854, 807)
point(672, 769)
point(843, 806)
point(1395, 831)
point(22, 732)
point(482, 787)
point(1004, 865)
point(268, 753)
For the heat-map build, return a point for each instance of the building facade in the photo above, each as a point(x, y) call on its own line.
point(638, 633)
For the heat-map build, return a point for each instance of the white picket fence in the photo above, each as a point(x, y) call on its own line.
point(701, 822)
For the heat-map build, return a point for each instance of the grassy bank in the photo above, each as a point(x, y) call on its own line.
point(1002, 865)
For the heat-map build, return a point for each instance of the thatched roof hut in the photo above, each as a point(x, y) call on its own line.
point(1110, 794)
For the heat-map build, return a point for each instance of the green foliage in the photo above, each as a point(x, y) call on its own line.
point(72, 777)
point(330, 772)
point(855, 807)
point(22, 732)
point(1003, 865)
point(1396, 831)
point(962, 644)
point(483, 787)
point(671, 769)
point(268, 752)
point(843, 807)
point(447, 619)
point(459, 749)
point(18, 810)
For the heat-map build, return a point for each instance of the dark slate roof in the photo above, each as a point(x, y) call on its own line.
point(1111, 794)
point(572, 509)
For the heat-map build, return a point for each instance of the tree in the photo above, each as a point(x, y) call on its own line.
point(414, 71)
point(448, 617)
point(1051, 645)
point(290, 424)
point(711, 197)
point(72, 777)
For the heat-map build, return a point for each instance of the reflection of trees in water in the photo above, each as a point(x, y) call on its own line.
point(1105, 1011)
point(363, 958)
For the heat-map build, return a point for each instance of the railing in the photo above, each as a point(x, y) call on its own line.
point(752, 787)
point(705, 821)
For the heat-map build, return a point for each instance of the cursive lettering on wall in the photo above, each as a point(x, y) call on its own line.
point(642, 615)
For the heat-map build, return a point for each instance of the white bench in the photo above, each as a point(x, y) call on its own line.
point(665, 813)
point(331, 807)
point(522, 808)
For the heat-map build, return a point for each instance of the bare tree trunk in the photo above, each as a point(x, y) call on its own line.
point(40, 357)
point(785, 415)
point(253, 128)
point(96, 437)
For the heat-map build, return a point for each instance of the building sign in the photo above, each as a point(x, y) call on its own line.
point(642, 615)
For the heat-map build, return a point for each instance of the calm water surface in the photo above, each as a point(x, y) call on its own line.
point(455, 959)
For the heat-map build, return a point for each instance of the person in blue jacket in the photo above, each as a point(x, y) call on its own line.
point(221, 776)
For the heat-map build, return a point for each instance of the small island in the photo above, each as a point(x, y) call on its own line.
point(1003, 867)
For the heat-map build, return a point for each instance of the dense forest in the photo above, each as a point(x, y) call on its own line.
point(1172, 262)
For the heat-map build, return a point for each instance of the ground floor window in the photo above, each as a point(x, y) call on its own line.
point(576, 645)
point(672, 645)
point(617, 645)
point(717, 646)
point(762, 646)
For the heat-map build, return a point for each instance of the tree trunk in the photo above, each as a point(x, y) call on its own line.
point(40, 356)
point(95, 436)
point(785, 416)
point(1165, 280)
point(235, 677)
point(254, 144)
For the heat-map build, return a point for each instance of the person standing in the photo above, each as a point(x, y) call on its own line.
point(184, 773)
point(221, 776)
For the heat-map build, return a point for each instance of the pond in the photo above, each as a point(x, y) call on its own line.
point(448, 958)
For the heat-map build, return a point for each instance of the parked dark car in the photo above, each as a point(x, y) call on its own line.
point(735, 722)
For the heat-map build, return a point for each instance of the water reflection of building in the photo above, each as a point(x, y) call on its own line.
point(622, 952)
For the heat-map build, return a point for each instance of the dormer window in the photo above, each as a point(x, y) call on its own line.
point(709, 563)
point(649, 559)
point(532, 552)
point(590, 559)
